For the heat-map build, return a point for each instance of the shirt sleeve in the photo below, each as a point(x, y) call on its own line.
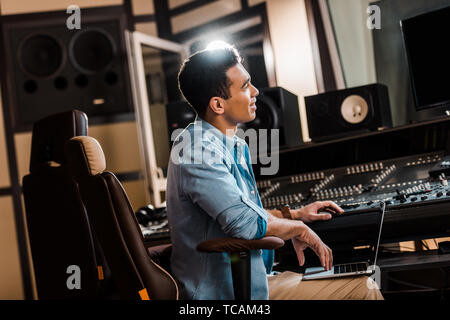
point(262, 228)
point(214, 189)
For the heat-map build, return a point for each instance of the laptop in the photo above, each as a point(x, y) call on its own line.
point(348, 269)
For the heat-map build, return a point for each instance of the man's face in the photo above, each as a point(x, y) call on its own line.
point(240, 107)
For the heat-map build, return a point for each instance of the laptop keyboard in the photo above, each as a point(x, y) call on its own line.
point(351, 267)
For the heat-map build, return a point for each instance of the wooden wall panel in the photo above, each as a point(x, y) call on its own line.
point(10, 270)
point(177, 3)
point(147, 28)
point(136, 193)
point(120, 144)
point(23, 152)
point(142, 7)
point(27, 6)
point(204, 14)
point(4, 168)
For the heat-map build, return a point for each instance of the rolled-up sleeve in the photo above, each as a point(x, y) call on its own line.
point(214, 189)
point(262, 228)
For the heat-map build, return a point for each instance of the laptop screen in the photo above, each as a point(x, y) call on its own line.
point(367, 240)
point(380, 228)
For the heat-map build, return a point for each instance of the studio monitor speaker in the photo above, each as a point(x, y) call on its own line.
point(277, 108)
point(51, 68)
point(343, 112)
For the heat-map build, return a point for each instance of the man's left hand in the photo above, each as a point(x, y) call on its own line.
point(319, 210)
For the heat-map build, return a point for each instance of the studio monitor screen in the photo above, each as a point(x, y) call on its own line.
point(426, 42)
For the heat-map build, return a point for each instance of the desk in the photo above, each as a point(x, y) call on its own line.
point(415, 272)
point(413, 261)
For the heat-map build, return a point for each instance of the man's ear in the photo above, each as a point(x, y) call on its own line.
point(217, 105)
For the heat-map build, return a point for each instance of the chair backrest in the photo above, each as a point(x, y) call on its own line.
point(58, 227)
point(115, 223)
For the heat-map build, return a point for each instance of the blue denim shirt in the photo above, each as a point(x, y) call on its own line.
point(211, 193)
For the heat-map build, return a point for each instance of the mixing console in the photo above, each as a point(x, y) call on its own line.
point(398, 182)
point(414, 188)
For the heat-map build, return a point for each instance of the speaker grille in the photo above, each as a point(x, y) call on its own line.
point(92, 50)
point(40, 55)
point(50, 69)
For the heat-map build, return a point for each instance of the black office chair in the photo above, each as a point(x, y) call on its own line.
point(112, 217)
point(59, 230)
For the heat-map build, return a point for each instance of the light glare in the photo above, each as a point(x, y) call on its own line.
point(217, 44)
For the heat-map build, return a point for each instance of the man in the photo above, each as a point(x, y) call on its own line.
point(211, 193)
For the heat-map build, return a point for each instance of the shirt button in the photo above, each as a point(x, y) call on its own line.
point(244, 198)
point(252, 192)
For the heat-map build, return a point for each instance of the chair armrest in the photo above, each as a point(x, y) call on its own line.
point(239, 245)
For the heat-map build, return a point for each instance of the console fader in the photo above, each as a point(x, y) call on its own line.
point(400, 182)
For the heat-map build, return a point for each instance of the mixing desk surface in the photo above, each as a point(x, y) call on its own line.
point(413, 185)
point(414, 188)
point(360, 188)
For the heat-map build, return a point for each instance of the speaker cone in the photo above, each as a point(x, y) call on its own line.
point(354, 109)
point(40, 55)
point(92, 50)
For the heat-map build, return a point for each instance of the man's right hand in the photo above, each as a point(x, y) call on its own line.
point(302, 237)
point(308, 238)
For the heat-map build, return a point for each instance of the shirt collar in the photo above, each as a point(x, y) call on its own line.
point(215, 135)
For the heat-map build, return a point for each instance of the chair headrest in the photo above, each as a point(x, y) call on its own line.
point(85, 156)
point(50, 134)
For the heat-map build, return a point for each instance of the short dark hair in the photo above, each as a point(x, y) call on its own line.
point(203, 76)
